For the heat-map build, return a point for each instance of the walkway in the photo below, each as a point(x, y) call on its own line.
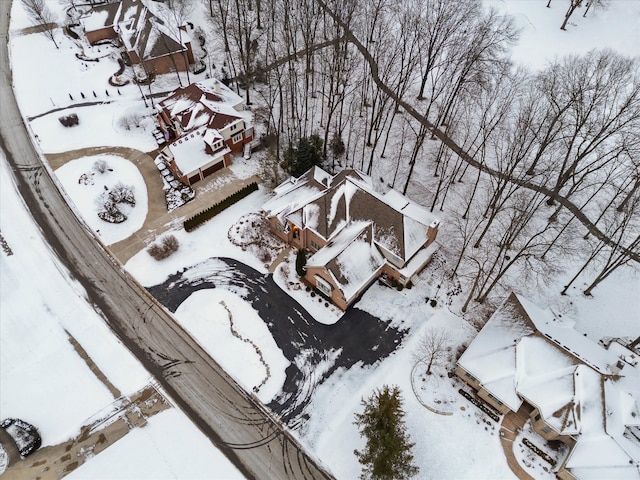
point(281, 256)
point(208, 192)
point(56, 461)
point(511, 424)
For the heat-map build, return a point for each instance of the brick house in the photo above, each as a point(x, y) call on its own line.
point(203, 124)
point(144, 37)
point(101, 22)
point(354, 235)
point(578, 392)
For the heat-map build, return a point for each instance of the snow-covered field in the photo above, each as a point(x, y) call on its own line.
point(39, 301)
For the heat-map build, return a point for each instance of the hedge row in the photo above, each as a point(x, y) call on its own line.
point(198, 219)
point(480, 404)
point(539, 452)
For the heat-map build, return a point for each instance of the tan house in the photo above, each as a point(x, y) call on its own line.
point(354, 234)
point(203, 124)
point(580, 393)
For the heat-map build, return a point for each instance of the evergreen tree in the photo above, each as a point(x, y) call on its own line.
point(301, 261)
point(307, 154)
point(387, 454)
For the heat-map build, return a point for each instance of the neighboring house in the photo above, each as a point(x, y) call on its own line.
point(103, 21)
point(578, 392)
point(353, 233)
point(146, 38)
point(100, 22)
point(149, 42)
point(203, 124)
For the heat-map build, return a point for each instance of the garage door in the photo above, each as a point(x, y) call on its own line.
point(194, 179)
point(213, 168)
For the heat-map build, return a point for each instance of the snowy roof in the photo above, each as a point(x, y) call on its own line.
point(110, 14)
point(196, 105)
point(351, 258)
point(399, 225)
point(100, 16)
point(189, 152)
point(525, 352)
point(561, 332)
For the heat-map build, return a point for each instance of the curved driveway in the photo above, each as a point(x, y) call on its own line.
point(239, 425)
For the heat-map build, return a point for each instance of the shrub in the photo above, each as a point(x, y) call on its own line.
point(101, 166)
point(25, 435)
point(121, 193)
point(130, 120)
point(108, 203)
point(69, 120)
point(198, 219)
point(167, 246)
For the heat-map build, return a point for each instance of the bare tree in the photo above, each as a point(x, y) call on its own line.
point(40, 14)
point(432, 348)
point(573, 5)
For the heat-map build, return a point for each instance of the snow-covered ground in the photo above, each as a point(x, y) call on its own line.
point(462, 445)
point(87, 183)
point(541, 40)
point(168, 447)
point(41, 307)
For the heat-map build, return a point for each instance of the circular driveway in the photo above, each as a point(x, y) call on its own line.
point(358, 337)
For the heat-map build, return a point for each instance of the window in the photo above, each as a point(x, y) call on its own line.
point(323, 286)
point(468, 375)
point(546, 429)
point(537, 417)
point(237, 138)
point(315, 246)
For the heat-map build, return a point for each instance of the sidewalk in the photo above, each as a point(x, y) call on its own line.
point(208, 192)
point(511, 424)
point(55, 461)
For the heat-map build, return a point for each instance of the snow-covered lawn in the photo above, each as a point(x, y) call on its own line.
point(168, 447)
point(99, 125)
point(233, 334)
point(86, 185)
point(44, 381)
point(541, 39)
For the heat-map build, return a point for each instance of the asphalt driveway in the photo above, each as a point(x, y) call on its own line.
point(357, 338)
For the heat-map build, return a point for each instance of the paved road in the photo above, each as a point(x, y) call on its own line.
point(241, 427)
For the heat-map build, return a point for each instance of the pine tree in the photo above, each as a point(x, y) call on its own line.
point(306, 155)
point(387, 454)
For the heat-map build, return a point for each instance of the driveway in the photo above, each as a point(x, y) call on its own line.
point(357, 337)
point(215, 188)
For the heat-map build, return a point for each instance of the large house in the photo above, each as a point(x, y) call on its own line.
point(146, 39)
point(529, 359)
point(354, 234)
point(203, 123)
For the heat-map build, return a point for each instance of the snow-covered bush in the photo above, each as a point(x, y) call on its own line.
point(131, 119)
point(101, 166)
point(121, 193)
point(69, 120)
point(108, 203)
point(25, 435)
